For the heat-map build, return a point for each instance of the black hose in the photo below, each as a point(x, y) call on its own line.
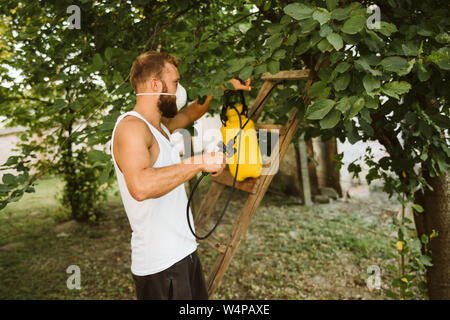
point(232, 187)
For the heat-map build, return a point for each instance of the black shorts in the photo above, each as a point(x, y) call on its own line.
point(182, 281)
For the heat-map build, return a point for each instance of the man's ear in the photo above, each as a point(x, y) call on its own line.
point(154, 84)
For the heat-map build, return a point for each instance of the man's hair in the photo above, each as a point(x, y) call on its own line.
point(150, 64)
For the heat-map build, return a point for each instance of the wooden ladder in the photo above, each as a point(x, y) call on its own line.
point(256, 187)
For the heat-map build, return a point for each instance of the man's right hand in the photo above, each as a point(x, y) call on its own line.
point(214, 162)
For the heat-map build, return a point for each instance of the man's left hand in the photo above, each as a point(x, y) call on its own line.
point(239, 86)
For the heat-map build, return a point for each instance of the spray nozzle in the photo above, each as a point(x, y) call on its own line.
point(228, 149)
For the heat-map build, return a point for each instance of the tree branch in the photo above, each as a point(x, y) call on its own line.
point(227, 27)
point(22, 97)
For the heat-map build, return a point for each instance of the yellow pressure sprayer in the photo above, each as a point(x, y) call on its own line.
point(250, 164)
point(235, 123)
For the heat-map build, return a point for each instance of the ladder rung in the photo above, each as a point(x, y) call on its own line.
point(271, 127)
point(249, 185)
point(212, 241)
point(286, 75)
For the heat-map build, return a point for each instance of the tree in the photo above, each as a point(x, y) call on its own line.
point(76, 84)
point(388, 84)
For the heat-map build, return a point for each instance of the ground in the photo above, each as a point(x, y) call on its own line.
point(289, 252)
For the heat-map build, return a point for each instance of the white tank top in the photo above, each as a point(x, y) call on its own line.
point(160, 233)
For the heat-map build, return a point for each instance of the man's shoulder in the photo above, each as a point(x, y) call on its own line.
point(134, 128)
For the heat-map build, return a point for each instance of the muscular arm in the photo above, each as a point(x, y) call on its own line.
point(132, 145)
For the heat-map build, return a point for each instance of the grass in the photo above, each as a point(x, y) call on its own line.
point(288, 252)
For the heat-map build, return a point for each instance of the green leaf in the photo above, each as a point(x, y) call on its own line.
point(245, 72)
point(410, 49)
point(372, 103)
point(298, 11)
point(97, 61)
point(331, 4)
point(336, 56)
point(423, 75)
point(302, 48)
point(274, 28)
point(4, 189)
point(426, 261)
point(260, 69)
point(352, 136)
point(324, 45)
point(218, 92)
point(425, 31)
point(330, 120)
point(342, 82)
point(342, 67)
point(343, 105)
point(354, 25)
point(98, 156)
point(424, 238)
point(273, 66)
point(391, 294)
point(279, 54)
point(364, 122)
point(285, 19)
point(308, 25)
point(417, 207)
point(443, 37)
point(292, 39)
point(396, 88)
point(11, 161)
point(363, 64)
point(236, 64)
point(325, 30)
point(356, 107)
point(335, 40)
point(108, 54)
point(319, 109)
point(440, 58)
point(341, 14)
point(395, 64)
point(106, 173)
point(59, 104)
point(387, 28)
point(274, 41)
point(9, 179)
point(370, 83)
point(392, 268)
point(117, 77)
point(319, 90)
point(415, 244)
point(408, 69)
point(321, 15)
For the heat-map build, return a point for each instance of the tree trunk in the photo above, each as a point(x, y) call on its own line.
point(304, 172)
point(69, 174)
point(299, 170)
point(314, 182)
point(436, 216)
point(332, 175)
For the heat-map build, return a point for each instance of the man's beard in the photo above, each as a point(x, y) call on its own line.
point(167, 104)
